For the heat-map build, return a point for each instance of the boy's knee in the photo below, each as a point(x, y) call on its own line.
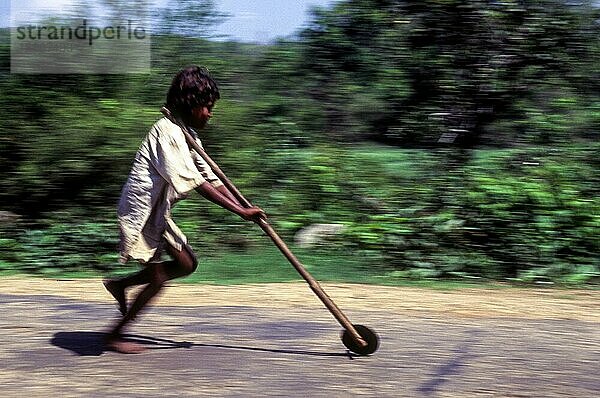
point(184, 262)
point(187, 267)
point(192, 261)
point(192, 266)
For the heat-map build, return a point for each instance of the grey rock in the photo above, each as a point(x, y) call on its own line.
point(317, 234)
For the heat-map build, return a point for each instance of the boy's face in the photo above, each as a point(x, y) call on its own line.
point(200, 115)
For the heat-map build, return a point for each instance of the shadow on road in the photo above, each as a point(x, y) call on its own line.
point(81, 343)
point(453, 367)
point(91, 344)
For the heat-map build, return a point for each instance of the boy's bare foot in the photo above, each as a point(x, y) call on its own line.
point(118, 293)
point(118, 344)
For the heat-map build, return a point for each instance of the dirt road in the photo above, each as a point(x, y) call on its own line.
point(278, 340)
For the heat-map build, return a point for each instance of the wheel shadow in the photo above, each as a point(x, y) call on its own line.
point(84, 343)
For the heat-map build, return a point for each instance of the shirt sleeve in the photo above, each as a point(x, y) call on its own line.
point(170, 155)
point(205, 169)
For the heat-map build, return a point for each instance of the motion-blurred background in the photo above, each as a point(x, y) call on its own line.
point(436, 139)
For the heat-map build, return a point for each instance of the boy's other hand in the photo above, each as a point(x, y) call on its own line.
point(253, 214)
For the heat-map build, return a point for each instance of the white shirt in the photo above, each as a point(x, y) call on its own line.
point(165, 169)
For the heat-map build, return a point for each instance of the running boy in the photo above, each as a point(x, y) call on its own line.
point(165, 169)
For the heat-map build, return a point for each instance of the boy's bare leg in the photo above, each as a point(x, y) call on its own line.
point(116, 287)
point(184, 263)
point(114, 340)
point(118, 292)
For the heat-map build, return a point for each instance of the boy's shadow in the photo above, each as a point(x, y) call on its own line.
point(81, 343)
point(92, 344)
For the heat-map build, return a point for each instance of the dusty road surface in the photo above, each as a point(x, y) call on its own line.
point(278, 340)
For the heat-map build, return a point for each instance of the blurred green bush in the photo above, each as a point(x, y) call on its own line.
point(490, 113)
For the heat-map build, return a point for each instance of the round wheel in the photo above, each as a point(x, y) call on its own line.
point(367, 334)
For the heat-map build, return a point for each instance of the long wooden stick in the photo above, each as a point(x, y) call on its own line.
point(266, 227)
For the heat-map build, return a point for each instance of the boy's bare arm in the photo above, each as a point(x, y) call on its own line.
point(214, 195)
point(227, 193)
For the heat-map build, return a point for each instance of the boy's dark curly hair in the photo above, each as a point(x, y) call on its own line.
point(191, 87)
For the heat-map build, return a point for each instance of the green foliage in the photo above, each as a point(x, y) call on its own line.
point(59, 245)
point(516, 82)
point(195, 18)
point(412, 71)
point(526, 214)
